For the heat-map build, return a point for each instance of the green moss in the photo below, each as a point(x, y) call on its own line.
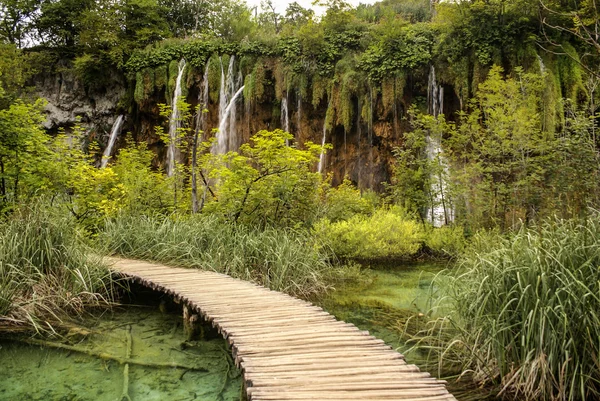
point(571, 75)
point(214, 78)
point(161, 77)
point(319, 89)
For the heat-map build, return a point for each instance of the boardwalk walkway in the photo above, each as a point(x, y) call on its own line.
point(289, 349)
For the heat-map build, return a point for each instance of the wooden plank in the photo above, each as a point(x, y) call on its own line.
point(289, 349)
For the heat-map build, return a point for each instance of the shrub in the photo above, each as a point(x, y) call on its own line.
point(388, 233)
point(446, 241)
point(345, 201)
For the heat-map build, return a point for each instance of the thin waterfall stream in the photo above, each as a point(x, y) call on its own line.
point(227, 135)
point(173, 153)
point(440, 212)
point(223, 133)
point(114, 133)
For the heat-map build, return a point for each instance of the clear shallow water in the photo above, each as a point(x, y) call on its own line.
point(388, 298)
point(381, 304)
point(40, 373)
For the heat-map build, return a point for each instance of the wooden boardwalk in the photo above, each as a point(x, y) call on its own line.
point(289, 349)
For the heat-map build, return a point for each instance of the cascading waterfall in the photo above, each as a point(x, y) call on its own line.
point(173, 153)
point(359, 145)
point(542, 65)
point(322, 155)
point(285, 117)
point(201, 119)
point(222, 140)
point(114, 132)
point(227, 135)
point(441, 212)
point(370, 137)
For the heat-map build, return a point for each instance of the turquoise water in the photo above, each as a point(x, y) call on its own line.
point(388, 298)
point(382, 303)
point(32, 372)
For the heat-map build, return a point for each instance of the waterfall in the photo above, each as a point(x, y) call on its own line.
point(202, 102)
point(370, 137)
point(299, 115)
point(175, 124)
point(285, 117)
point(440, 212)
point(201, 118)
point(227, 135)
point(116, 129)
point(322, 156)
point(435, 95)
point(542, 65)
point(222, 140)
point(359, 146)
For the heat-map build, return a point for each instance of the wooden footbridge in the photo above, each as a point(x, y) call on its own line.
point(289, 349)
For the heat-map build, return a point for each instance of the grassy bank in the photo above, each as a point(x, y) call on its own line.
point(527, 313)
point(283, 260)
point(46, 271)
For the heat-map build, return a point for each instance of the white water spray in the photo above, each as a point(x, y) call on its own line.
point(222, 134)
point(114, 132)
point(285, 117)
point(441, 211)
point(227, 136)
point(173, 153)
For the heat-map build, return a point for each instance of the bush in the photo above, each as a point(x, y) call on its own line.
point(345, 201)
point(388, 233)
point(447, 241)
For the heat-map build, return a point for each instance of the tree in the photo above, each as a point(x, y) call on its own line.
point(267, 182)
point(17, 20)
point(579, 21)
point(60, 21)
point(22, 151)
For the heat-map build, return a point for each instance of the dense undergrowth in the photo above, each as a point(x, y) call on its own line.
point(283, 260)
point(526, 313)
point(47, 271)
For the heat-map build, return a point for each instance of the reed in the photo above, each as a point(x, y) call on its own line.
point(46, 272)
point(283, 260)
point(527, 312)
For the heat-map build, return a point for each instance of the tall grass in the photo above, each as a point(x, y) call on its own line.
point(283, 260)
point(46, 271)
point(528, 312)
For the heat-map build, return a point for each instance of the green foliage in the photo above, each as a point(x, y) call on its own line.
point(22, 152)
point(145, 191)
point(400, 47)
point(345, 201)
point(446, 241)
point(266, 183)
point(46, 272)
point(283, 260)
point(388, 233)
point(527, 311)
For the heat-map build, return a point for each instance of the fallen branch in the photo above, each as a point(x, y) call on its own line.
point(125, 393)
point(103, 355)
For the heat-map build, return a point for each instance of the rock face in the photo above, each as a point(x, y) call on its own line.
point(363, 153)
point(69, 101)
